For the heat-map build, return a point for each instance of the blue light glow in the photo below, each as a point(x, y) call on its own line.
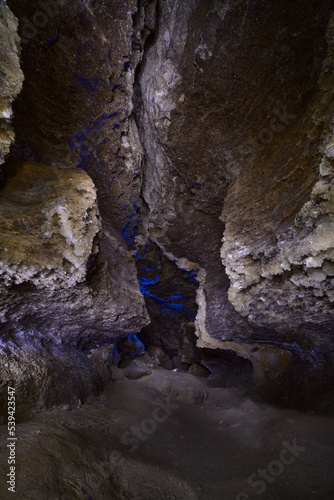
point(90, 84)
point(149, 276)
point(51, 40)
point(87, 147)
point(128, 347)
point(133, 219)
point(87, 495)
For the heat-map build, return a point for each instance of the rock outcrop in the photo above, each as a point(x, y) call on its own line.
point(65, 280)
point(53, 280)
point(279, 250)
point(206, 130)
point(235, 106)
point(11, 76)
point(49, 225)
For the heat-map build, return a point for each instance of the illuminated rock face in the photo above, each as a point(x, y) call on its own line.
point(53, 280)
point(11, 76)
point(49, 221)
point(206, 129)
point(236, 122)
point(279, 251)
point(62, 277)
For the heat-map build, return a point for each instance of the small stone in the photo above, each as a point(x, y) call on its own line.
point(136, 370)
point(198, 370)
point(177, 363)
point(155, 352)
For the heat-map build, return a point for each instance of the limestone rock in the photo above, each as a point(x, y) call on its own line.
point(198, 371)
point(196, 121)
point(282, 270)
point(49, 222)
point(222, 134)
point(136, 369)
point(44, 375)
point(53, 279)
point(156, 353)
point(103, 358)
point(76, 105)
point(11, 76)
point(75, 111)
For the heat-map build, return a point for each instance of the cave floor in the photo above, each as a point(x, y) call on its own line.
point(193, 443)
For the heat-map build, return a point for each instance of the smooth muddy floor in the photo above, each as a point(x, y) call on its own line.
point(167, 436)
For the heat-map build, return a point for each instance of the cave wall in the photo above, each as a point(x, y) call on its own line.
point(11, 76)
point(280, 260)
point(68, 282)
point(234, 108)
point(233, 122)
point(74, 112)
point(202, 132)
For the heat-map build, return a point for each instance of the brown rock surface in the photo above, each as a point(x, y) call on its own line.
point(279, 237)
point(180, 152)
point(206, 128)
point(235, 121)
point(188, 453)
point(53, 280)
point(49, 223)
point(11, 76)
point(44, 374)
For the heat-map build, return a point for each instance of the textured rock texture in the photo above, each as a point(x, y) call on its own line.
point(49, 223)
point(174, 155)
point(64, 280)
point(44, 375)
point(11, 76)
point(75, 111)
point(76, 105)
point(188, 453)
point(279, 251)
point(206, 128)
point(223, 135)
point(53, 280)
point(56, 290)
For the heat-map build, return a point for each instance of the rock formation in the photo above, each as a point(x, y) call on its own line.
point(11, 76)
point(167, 206)
point(49, 225)
point(180, 153)
point(280, 260)
point(237, 128)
